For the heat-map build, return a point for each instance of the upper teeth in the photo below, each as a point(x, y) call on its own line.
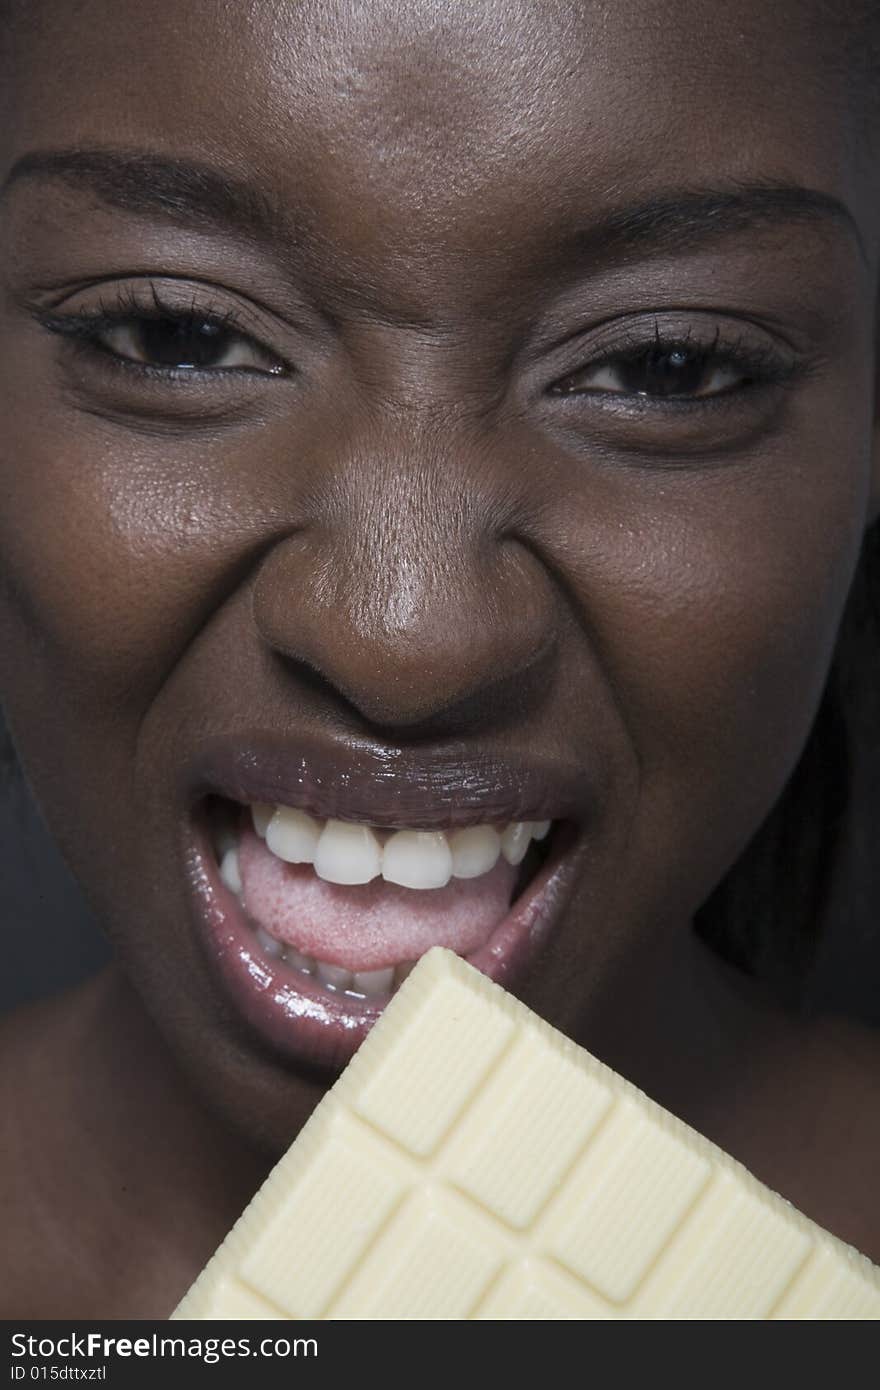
point(347, 852)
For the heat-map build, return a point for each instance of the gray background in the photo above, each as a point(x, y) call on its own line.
point(49, 937)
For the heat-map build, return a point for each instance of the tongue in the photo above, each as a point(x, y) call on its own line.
point(371, 925)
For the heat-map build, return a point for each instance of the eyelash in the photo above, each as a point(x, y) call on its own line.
point(85, 328)
point(761, 366)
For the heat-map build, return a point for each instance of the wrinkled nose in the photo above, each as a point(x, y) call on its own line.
point(414, 596)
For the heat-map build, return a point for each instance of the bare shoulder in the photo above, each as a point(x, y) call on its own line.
point(115, 1186)
point(25, 1104)
point(819, 1101)
point(40, 1047)
point(794, 1098)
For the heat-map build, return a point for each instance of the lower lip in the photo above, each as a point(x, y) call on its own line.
point(310, 1025)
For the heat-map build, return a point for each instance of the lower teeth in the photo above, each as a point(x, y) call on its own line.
point(269, 945)
point(364, 984)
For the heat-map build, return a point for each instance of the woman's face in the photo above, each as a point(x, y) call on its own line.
point(423, 416)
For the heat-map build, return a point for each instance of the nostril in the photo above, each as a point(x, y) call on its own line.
point(428, 712)
point(431, 644)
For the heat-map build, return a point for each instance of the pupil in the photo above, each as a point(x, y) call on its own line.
point(659, 372)
point(181, 342)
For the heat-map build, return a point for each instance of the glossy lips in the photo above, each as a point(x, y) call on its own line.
point(304, 1011)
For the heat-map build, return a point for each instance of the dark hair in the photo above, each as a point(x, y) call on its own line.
point(813, 864)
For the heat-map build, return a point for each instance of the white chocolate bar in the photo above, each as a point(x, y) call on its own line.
point(472, 1162)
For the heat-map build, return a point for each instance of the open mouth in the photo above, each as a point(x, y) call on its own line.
point(313, 922)
point(354, 906)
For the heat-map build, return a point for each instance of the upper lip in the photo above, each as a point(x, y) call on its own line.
point(385, 785)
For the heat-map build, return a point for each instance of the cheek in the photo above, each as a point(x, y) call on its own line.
point(113, 558)
point(110, 560)
point(714, 613)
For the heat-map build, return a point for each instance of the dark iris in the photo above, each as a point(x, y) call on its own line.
point(185, 342)
point(663, 372)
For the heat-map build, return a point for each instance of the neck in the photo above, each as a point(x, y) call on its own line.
point(689, 1030)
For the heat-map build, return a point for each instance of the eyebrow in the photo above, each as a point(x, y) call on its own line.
point(207, 198)
point(686, 218)
point(140, 183)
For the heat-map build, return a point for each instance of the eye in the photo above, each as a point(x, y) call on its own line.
point(658, 371)
point(676, 369)
point(148, 329)
point(184, 343)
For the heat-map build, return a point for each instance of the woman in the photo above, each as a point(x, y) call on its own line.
point(439, 455)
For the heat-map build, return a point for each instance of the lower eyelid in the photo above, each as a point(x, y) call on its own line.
point(620, 411)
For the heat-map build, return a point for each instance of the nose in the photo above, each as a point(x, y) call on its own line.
point(413, 594)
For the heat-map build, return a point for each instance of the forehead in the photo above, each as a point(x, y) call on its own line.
point(410, 127)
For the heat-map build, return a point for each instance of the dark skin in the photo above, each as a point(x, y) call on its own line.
point(410, 534)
